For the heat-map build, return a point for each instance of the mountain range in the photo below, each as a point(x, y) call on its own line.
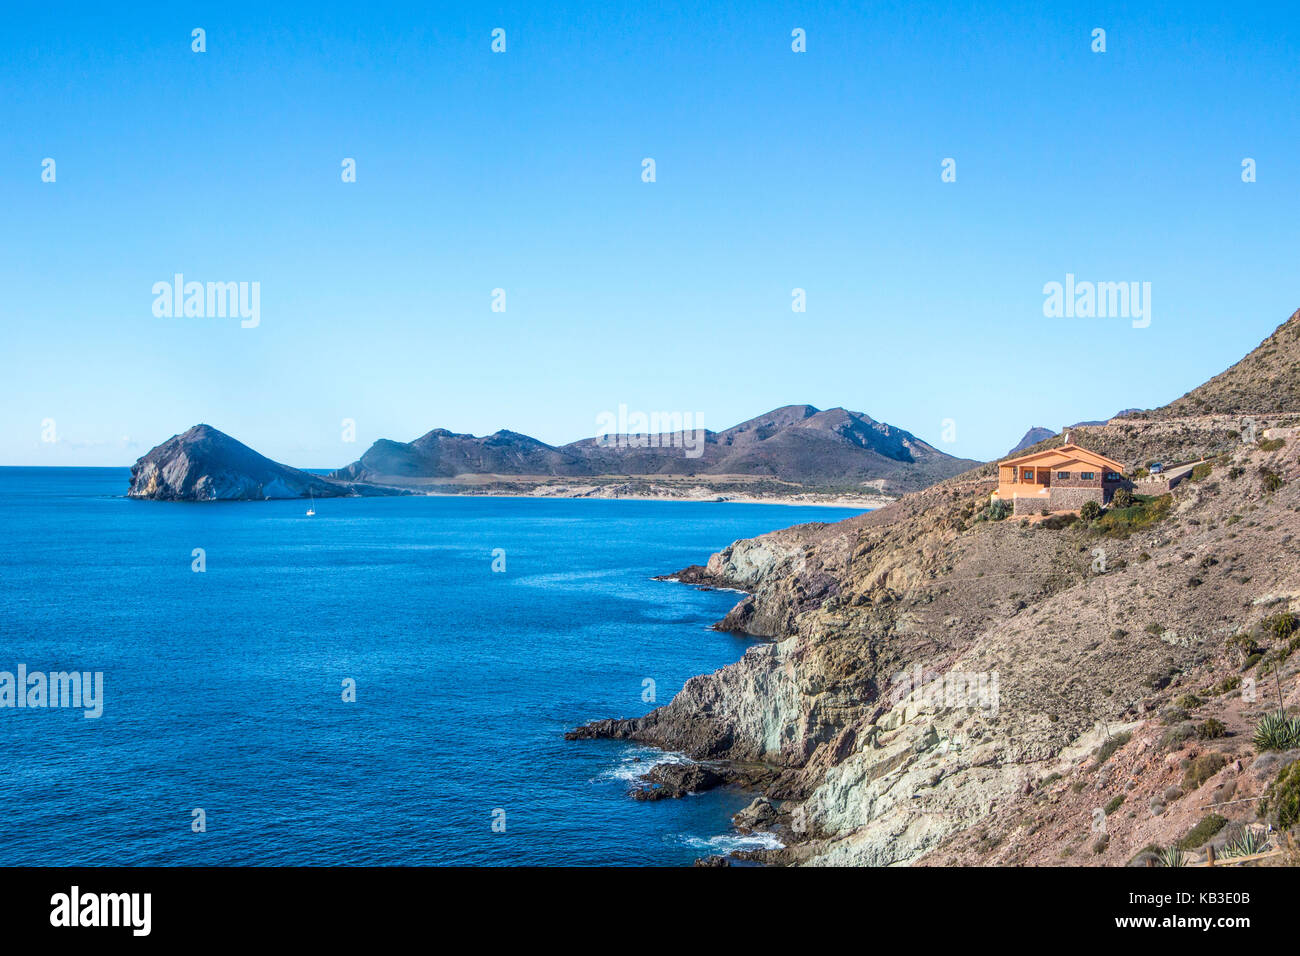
point(795, 449)
point(798, 444)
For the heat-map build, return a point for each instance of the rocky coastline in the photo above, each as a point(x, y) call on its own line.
point(1096, 637)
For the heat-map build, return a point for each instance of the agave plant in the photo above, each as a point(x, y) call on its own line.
point(1247, 843)
point(1277, 731)
point(1172, 856)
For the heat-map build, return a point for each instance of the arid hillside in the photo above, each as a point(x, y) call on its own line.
point(1267, 381)
point(945, 685)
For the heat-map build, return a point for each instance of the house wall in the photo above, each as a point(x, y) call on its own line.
point(1154, 485)
point(1074, 481)
point(1031, 505)
point(1072, 499)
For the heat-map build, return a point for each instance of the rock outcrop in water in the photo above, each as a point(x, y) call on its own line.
point(204, 464)
point(942, 686)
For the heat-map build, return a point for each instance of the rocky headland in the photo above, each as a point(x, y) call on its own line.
point(942, 684)
point(204, 464)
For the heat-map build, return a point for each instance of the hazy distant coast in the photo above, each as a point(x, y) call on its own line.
point(796, 454)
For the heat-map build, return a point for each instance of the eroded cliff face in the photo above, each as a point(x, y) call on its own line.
point(938, 684)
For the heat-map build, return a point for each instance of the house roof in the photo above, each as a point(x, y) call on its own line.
point(1063, 454)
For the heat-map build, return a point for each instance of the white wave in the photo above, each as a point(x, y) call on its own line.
point(731, 842)
point(639, 761)
point(566, 578)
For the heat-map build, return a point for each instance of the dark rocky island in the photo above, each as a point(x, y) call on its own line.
point(204, 464)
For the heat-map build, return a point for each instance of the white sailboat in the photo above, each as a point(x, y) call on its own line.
point(311, 509)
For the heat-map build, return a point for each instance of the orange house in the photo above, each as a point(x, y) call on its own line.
point(1058, 479)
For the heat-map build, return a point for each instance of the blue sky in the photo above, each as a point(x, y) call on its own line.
point(522, 171)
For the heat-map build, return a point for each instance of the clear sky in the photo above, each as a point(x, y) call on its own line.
point(522, 170)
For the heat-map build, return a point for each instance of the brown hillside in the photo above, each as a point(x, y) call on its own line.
point(1266, 381)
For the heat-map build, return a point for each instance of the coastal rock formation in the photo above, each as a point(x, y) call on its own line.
point(793, 448)
point(204, 464)
point(943, 685)
point(675, 780)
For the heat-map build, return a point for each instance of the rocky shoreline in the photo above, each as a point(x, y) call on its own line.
point(1115, 653)
point(716, 757)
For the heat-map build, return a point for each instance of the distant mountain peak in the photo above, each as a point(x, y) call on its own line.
point(797, 444)
point(1032, 437)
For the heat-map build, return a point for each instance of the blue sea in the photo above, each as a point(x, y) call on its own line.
point(224, 689)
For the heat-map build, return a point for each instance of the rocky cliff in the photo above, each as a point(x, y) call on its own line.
point(944, 685)
point(204, 464)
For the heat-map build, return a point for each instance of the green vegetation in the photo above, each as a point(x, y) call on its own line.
point(1197, 835)
point(1201, 471)
point(1057, 522)
point(1114, 804)
point(1143, 513)
point(1189, 701)
point(1276, 731)
point(1247, 843)
point(1176, 736)
point(1225, 685)
point(1123, 498)
point(1203, 768)
point(1270, 444)
point(1090, 511)
point(1280, 626)
point(1109, 747)
point(997, 510)
point(1172, 856)
point(1281, 801)
point(1271, 479)
point(1211, 729)
point(1173, 715)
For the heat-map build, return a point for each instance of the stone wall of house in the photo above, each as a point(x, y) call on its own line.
point(1072, 499)
point(1030, 505)
point(1074, 481)
point(1152, 485)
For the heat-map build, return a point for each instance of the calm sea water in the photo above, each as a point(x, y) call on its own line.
point(223, 689)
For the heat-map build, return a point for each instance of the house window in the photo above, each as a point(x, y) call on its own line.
point(1029, 474)
point(1087, 475)
point(1114, 476)
point(1062, 475)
